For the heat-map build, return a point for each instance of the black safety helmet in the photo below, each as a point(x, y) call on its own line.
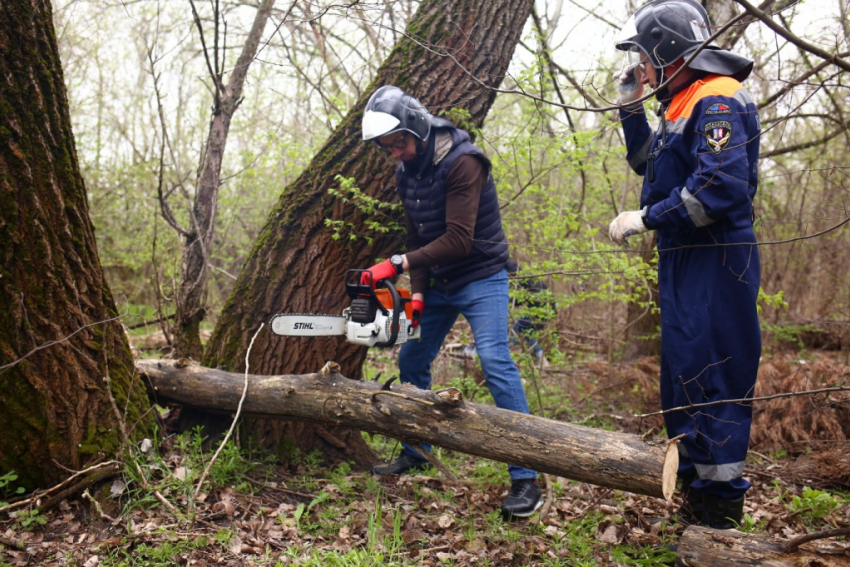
point(667, 30)
point(389, 110)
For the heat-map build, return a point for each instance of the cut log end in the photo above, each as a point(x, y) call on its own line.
point(670, 469)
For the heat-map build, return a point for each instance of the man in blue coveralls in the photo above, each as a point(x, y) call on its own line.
point(700, 178)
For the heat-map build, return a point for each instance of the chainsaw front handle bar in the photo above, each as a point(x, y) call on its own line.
point(357, 289)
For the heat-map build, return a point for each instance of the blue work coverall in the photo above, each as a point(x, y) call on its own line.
point(700, 178)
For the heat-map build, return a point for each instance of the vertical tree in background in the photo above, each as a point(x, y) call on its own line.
point(191, 296)
point(450, 54)
point(66, 371)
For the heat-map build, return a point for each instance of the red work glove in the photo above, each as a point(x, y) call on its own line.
point(418, 307)
point(380, 272)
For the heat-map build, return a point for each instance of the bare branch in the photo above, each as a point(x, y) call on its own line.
point(801, 43)
point(749, 400)
point(792, 544)
point(51, 343)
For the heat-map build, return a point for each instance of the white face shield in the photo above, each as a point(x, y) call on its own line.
point(626, 37)
point(626, 43)
point(377, 124)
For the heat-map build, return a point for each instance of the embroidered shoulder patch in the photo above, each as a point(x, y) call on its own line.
point(718, 133)
point(718, 108)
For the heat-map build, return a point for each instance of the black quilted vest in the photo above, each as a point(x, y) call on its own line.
point(423, 194)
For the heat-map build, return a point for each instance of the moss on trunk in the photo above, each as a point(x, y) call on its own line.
point(61, 344)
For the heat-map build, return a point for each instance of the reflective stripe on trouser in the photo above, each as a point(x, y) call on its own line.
point(716, 438)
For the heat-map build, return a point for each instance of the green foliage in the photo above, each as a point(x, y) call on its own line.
point(790, 333)
point(646, 555)
point(338, 476)
point(750, 525)
point(178, 473)
point(776, 301)
point(815, 504)
point(301, 510)
point(164, 554)
point(29, 519)
point(6, 487)
point(380, 217)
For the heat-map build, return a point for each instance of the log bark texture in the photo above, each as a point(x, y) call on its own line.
point(616, 460)
point(706, 547)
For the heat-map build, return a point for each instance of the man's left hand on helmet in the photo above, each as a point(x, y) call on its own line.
point(384, 270)
point(626, 224)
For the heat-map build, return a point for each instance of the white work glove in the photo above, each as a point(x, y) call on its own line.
point(630, 87)
point(626, 224)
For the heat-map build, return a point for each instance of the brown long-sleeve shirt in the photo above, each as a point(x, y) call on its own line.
point(465, 182)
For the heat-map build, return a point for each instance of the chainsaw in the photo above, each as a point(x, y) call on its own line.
point(376, 317)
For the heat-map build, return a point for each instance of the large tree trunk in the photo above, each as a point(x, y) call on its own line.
point(65, 367)
point(191, 296)
point(606, 458)
point(296, 265)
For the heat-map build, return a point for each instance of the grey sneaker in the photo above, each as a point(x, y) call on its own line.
point(523, 499)
point(405, 463)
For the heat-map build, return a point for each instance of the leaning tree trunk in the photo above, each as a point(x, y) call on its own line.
point(449, 50)
point(191, 296)
point(66, 372)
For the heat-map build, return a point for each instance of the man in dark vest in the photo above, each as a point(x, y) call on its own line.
point(456, 256)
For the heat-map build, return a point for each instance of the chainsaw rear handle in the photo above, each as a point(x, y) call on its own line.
point(355, 289)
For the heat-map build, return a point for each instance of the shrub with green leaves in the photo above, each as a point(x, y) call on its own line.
point(6, 487)
point(814, 504)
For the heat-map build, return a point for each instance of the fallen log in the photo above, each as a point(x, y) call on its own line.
point(707, 547)
point(440, 417)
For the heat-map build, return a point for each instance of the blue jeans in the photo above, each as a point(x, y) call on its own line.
point(484, 303)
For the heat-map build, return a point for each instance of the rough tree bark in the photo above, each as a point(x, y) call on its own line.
point(297, 266)
point(606, 458)
point(720, 548)
point(66, 371)
point(191, 296)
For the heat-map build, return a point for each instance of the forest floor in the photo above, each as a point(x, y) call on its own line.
point(254, 512)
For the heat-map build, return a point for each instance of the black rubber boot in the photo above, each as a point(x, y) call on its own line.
point(689, 511)
point(721, 513)
point(692, 508)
